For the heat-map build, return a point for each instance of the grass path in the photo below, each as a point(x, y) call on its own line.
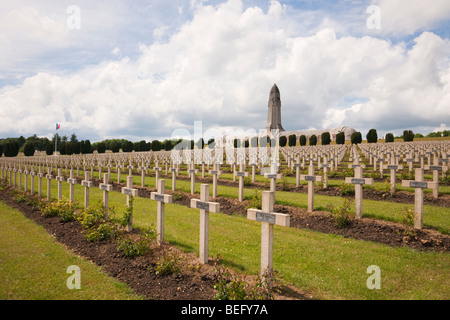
point(33, 266)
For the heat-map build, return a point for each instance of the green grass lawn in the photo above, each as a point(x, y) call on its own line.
point(326, 266)
point(33, 266)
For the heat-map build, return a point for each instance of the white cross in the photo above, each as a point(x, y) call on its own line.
point(86, 183)
point(418, 185)
point(268, 219)
point(129, 191)
point(205, 207)
point(106, 187)
point(241, 174)
point(393, 168)
point(60, 179)
point(273, 180)
point(310, 177)
point(215, 173)
point(162, 199)
point(358, 181)
point(71, 181)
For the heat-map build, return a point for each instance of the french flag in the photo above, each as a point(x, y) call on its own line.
point(58, 126)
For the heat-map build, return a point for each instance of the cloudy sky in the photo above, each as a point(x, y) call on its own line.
point(142, 70)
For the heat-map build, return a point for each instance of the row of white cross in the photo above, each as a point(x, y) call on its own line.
point(266, 216)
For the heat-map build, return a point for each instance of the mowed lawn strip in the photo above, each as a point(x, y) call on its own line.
point(33, 266)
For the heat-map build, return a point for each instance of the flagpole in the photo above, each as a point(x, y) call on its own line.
point(56, 140)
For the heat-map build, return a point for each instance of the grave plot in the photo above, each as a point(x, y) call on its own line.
point(283, 198)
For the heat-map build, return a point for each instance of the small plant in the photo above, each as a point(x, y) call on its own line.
point(247, 181)
point(102, 232)
point(285, 185)
point(348, 172)
point(342, 215)
point(19, 197)
point(407, 175)
point(445, 178)
point(407, 219)
point(385, 188)
point(168, 265)
point(62, 208)
point(287, 172)
point(125, 220)
point(95, 225)
point(375, 175)
point(255, 200)
point(332, 174)
point(229, 287)
point(347, 189)
point(131, 248)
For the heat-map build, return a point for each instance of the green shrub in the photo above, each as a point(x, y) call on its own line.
point(340, 138)
point(407, 219)
point(292, 140)
point(168, 265)
point(229, 287)
point(255, 200)
point(62, 208)
point(341, 215)
point(347, 189)
point(326, 138)
point(302, 140)
point(29, 149)
point(372, 136)
point(356, 138)
point(313, 140)
point(131, 248)
point(389, 137)
point(408, 135)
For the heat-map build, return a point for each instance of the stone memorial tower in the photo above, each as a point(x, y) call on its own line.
point(274, 112)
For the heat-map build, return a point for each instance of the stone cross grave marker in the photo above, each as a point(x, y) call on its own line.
point(40, 176)
point(106, 187)
point(157, 170)
point(49, 183)
point(436, 168)
point(418, 184)
point(192, 172)
point(358, 181)
point(311, 178)
point(205, 207)
point(393, 168)
point(119, 167)
point(32, 174)
point(215, 173)
point(86, 183)
point(129, 191)
point(26, 172)
point(325, 167)
point(72, 181)
point(60, 179)
point(273, 180)
point(268, 219)
point(162, 199)
point(241, 174)
point(143, 170)
point(174, 177)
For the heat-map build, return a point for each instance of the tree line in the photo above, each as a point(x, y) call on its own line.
point(10, 147)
